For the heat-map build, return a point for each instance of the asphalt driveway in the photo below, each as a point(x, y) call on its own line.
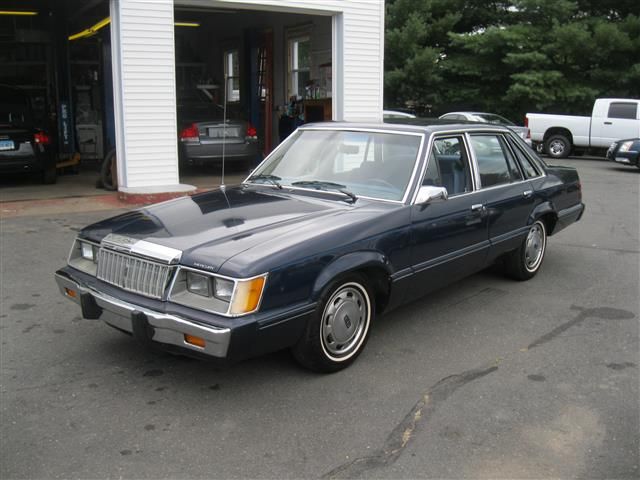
point(488, 378)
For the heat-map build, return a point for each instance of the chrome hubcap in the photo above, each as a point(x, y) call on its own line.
point(345, 321)
point(534, 248)
point(556, 147)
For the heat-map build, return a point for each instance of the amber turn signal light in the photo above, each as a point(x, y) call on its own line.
point(193, 340)
point(70, 293)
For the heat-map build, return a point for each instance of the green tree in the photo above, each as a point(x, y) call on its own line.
point(512, 57)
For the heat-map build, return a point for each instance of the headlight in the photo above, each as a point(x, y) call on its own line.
point(84, 256)
point(212, 293)
point(223, 289)
point(625, 147)
point(88, 251)
point(199, 284)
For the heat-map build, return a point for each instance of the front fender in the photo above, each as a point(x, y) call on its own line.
point(349, 263)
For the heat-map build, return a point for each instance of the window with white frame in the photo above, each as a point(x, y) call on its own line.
point(232, 75)
point(299, 65)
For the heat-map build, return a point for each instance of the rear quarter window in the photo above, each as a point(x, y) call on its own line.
point(626, 110)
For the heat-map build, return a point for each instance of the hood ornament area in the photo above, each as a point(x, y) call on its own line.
point(153, 251)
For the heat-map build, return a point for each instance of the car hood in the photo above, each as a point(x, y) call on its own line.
point(213, 227)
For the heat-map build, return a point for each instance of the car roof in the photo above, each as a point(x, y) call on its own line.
point(412, 125)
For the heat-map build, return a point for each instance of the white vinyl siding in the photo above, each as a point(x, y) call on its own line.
point(146, 131)
point(142, 34)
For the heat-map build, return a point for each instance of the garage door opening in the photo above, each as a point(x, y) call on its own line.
point(271, 70)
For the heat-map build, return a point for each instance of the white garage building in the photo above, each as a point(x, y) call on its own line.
point(342, 68)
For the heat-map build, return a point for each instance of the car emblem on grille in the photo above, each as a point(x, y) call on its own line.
point(125, 269)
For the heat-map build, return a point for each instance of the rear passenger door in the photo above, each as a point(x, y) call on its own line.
point(507, 197)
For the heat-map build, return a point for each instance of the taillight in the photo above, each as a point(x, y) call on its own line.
point(190, 133)
point(252, 133)
point(42, 138)
point(526, 121)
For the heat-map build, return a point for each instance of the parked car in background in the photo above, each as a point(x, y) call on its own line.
point(389, 114)
point(337, 225)
point(205, 137)
point(24, 148)
point(626, 152)
point(611, 119)
point(491, 118)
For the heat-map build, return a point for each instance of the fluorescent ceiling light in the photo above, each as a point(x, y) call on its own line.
point(91, 30)
point(106, 21)
point(17, 12)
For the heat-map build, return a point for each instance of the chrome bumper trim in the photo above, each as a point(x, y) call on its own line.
point(168, 329)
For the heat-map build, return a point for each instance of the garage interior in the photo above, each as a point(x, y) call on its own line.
point(277, 66)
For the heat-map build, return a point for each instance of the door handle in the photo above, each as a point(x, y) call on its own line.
point(527, 194)
point(478, 207)
point(608, 123)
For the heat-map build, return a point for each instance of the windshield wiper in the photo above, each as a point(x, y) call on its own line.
point(321, 185)
point(273, 179)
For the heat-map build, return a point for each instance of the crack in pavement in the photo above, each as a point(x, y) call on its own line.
point(605, 313)
point(402, 434)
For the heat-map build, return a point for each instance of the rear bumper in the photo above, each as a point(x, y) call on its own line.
point(568, 216)
point(203, 152)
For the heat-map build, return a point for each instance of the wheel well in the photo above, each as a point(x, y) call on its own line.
point(379, 283)
point(550, 220)
point(558, 131)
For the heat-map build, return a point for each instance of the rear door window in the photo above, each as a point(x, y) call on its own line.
point(495, 165)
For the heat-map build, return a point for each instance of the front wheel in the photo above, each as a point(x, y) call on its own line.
point(524, 262)
point(339, 330)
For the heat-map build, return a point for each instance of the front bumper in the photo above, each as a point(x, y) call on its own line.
point(144, 324)
point(164, 325)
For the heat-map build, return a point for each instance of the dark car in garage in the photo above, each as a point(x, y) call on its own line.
point(24, 148)
point(339, 224)
point(625, 152)
point(206, 135)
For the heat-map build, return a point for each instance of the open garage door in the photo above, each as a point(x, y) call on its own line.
point(271, 70)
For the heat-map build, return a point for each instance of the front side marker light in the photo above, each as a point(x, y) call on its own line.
point(246, 298)
point(199, 284)
point(195, 341)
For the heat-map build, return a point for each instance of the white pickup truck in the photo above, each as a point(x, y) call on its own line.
point(612, 119)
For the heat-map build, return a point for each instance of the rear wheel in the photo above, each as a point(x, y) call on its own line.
point(524, 262)
point(339, 329)
point(558, 146)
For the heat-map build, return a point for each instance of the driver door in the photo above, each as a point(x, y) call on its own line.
point(449, 238)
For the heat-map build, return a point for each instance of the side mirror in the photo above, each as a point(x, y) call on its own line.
point(430, 193)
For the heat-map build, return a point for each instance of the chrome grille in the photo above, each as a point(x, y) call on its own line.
point(132, 273)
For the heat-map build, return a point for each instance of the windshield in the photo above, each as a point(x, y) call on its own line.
point(369, 164)
point(493, 118)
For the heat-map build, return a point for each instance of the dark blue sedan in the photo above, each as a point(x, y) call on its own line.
point(341, 223)
point(625, 152)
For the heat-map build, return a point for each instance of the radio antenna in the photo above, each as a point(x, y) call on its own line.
point(224, 128)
